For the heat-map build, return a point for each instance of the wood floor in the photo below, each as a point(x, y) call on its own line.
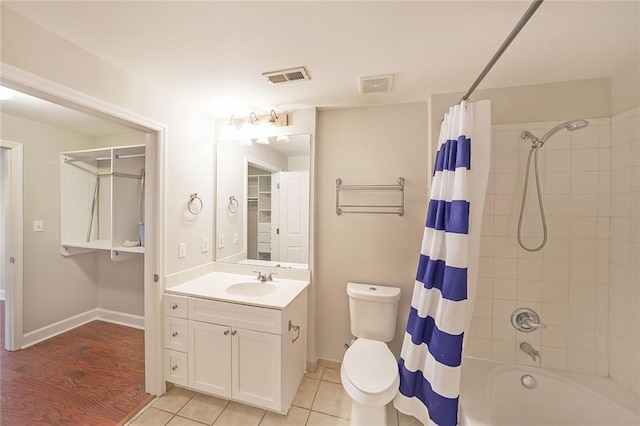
point(92, 375)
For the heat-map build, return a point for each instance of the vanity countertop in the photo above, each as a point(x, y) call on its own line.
point(214, 286)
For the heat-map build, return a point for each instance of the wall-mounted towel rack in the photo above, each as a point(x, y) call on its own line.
point(370, 208)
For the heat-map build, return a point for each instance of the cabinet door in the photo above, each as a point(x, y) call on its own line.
point(256, 368)
point(210, 358)
point(175, 367)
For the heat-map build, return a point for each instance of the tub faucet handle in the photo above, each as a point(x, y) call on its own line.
point(526, 320)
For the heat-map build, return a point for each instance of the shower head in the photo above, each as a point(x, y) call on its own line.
point(569, 125)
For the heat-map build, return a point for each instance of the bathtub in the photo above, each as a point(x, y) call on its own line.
point(493, 393)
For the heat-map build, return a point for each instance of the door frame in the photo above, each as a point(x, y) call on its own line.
point(13, 290)
point(154, 269)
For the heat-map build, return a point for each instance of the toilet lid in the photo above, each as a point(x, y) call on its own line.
point(370, 365)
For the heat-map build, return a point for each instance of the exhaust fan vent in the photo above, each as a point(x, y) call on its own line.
point(375, 84)
point(287, 76)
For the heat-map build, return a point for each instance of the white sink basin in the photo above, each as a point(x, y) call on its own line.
point(251, 289)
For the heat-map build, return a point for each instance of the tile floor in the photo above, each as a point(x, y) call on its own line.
point(320, 401)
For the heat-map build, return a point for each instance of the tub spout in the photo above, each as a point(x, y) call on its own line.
point(528, 349)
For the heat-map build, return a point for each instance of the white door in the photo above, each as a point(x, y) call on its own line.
point(210, 358)
point(293, 217)
point(11, 228)
point(256, 367)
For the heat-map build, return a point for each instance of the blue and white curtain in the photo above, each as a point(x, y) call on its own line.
point(431, 357)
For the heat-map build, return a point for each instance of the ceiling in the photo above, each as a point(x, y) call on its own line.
point(215, 52)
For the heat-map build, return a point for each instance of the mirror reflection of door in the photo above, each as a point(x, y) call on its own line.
point(290, 217)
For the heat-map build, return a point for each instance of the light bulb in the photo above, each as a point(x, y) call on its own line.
point(6, 93)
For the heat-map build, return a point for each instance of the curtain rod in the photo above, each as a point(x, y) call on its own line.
point(514, 32)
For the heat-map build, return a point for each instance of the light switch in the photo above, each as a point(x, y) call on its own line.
point(205, 245)
point(38, 226)
point(182, 250)
point(236, 238)
point(220, 241)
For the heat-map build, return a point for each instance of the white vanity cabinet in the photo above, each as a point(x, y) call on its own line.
point(235, 351)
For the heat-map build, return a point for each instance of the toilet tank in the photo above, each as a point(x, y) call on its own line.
point(373, 311)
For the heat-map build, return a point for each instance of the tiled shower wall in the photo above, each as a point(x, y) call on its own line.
point(567, 282)
point(624, 253)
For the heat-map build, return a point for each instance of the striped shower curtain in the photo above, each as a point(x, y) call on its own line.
point(442, 302)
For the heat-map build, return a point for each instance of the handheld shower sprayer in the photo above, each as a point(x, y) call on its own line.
point(537, 143)
point(569, 125)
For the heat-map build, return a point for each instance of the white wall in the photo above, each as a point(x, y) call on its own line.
point(55, 288)
point(374, 145)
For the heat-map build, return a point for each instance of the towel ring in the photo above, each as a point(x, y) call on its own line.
point(193, 206)
point(233, 205)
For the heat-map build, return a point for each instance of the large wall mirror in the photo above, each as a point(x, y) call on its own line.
point(263, 202)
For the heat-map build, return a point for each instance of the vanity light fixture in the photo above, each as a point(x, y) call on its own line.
point(258, 129)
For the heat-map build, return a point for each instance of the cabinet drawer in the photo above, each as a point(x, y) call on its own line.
point(176, 335)
point(264, 228)
point(175, 306)
point(175, 367)
point(264, 237)
point(264, 247)
point(235, 315)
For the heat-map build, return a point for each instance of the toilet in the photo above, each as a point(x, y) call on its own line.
point(369, 370)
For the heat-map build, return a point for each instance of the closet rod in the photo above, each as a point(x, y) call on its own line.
point(122, 157)
point(73, 160)
point(118, 174)
point(521, 23)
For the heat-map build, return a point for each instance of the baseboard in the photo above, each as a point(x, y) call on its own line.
point(49, 331)
point(134, 321)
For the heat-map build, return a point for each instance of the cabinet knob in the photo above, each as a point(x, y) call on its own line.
point(233, 333)
point(226, 332)
point(174, 306)
point(174, 334)
point(174, 368)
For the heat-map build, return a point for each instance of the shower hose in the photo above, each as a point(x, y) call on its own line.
point(534, 151)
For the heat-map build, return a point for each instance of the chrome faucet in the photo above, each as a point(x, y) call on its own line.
point(528, 349)
point(264, 277)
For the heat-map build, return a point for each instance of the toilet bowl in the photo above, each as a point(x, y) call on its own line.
point(369, 370)
point(370, 377)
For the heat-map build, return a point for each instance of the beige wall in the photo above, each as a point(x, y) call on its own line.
point(542, 102)
point(624, 265)
point(374, 145)
point(189, 156)
point(55, 288)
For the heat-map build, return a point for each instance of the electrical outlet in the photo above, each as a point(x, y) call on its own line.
point(182, 250)
point(38, 226)
point(205, 245)
point(220, 241)
point(236, 238)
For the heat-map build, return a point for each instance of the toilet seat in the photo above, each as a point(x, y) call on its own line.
point(370, 372)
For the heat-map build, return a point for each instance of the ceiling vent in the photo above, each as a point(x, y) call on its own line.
point(287, 76)
point(375, 84)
